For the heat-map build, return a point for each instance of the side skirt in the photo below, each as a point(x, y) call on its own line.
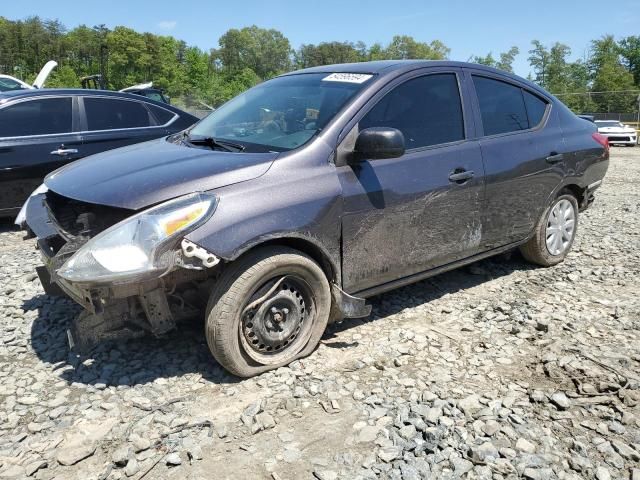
point(416, 277)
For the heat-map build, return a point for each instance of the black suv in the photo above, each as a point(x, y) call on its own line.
point(42, 130)
point(287, 207)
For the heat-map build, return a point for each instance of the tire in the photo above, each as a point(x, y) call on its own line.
point(275, 295)
point(536, 249)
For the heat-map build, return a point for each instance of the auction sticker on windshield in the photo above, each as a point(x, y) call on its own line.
point(347, 77)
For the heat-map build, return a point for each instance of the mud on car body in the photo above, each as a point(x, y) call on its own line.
point(291, 204)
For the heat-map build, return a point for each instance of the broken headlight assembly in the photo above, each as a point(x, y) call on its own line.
point(140, 246)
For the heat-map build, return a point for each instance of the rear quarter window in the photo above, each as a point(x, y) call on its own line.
point(536, 107)
point(162, 115)
point(502, 106)
point(113, 113)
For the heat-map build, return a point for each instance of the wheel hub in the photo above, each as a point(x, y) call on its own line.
point(560, 227)
point(275, 323)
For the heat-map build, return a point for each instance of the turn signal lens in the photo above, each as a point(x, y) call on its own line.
point(172, 225)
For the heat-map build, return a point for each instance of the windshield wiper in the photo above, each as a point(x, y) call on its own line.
point(214, 143)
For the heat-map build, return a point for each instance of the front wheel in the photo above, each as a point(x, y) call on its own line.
point(268, 308)
point(554, 233)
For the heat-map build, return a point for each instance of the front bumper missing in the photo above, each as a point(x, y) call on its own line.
point(112, 312)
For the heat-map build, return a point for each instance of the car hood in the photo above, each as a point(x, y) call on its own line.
point(147, 173)
point(44, 73)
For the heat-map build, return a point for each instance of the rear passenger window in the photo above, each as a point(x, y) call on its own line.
point(535, 108)
point(501, 106)
point(162, 116)
point(427, 110)
point(43, 116)
point(110, 113)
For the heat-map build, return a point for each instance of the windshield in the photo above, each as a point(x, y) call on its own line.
point(283, 113)
point(608, 123)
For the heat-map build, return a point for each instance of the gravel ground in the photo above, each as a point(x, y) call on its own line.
point(498, 370)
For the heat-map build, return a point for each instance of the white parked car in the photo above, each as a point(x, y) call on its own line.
point(8, 83)
point(617, 132)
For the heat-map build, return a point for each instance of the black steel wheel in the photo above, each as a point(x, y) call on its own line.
point(269, 308)
point(277, 319)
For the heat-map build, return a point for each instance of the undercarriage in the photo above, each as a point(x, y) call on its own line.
point(131, 311)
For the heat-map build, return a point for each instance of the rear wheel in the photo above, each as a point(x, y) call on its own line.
point(269, 308)
point(554, 233)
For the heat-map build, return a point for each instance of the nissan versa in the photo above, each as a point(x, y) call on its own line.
point(287, 207)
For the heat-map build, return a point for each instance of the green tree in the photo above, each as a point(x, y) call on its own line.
point(487, 60)
point(577, 93)
point(266, 52)
point(550, 65)
point(129, 59)
point(196, 64)
point(84, 48)
point(630, 51)
point(610, 75)
point(376, 52)
point(63, 77)
point(558, 68)
point(507, 58)
point(505, 63)
point(405, 47)
point(327, 53)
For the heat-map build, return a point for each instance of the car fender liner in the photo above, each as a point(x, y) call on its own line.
point(349, 306)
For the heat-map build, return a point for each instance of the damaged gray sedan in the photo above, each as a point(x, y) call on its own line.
point(291, 204)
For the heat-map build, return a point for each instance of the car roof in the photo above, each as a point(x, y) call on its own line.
point(44, 92)
point(380, 67)
point(39, 92)
point(383, 66)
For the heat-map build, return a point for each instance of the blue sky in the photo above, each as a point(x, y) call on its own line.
point(468, 28)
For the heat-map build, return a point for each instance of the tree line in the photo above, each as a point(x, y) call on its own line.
point(246, 56)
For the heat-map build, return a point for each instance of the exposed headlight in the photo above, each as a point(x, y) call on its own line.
point(140, 245)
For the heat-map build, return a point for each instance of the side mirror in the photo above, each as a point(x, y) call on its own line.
point(379, 142)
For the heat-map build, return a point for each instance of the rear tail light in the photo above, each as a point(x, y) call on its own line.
point(602, 140)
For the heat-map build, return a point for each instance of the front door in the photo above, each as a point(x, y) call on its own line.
point(410, 214)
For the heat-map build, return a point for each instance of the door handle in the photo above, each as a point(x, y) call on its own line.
point(63, 152)
point(554, 157)
point(460, 177)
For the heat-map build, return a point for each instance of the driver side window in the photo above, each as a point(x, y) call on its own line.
point(427, 110)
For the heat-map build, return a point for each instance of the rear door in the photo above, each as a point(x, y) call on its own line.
point(410, 214)
point(37, 136)
point(523, 153)
point(111, 122)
